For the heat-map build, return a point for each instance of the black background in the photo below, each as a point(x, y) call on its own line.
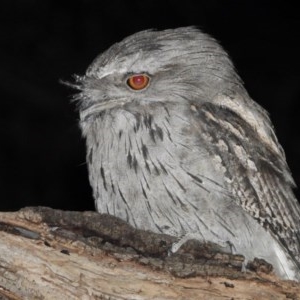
point(42, 154)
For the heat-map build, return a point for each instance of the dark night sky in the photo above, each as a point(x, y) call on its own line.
point(42, 153)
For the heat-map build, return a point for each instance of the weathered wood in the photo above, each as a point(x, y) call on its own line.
point(53, 254)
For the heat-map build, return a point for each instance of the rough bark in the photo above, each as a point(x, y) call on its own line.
point(54, 254)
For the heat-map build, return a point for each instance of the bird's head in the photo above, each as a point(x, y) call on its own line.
point(174, 66)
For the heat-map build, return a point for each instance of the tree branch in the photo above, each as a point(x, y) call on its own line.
point(46, 253)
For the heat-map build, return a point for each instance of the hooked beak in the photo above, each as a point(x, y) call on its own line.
point(97, 108)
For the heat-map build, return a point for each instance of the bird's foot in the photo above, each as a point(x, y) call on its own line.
point(225, 246)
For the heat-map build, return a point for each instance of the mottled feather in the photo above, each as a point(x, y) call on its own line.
point(191, 155)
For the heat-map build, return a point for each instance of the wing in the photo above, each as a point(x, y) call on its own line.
point(256, 171)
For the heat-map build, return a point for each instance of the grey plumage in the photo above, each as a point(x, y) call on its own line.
point(191, 154)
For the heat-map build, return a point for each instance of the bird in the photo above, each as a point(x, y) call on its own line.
point(175, 145)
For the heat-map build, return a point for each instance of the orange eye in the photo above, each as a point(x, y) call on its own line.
point(138, 82)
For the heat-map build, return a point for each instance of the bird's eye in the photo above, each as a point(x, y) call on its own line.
point(138, 82)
